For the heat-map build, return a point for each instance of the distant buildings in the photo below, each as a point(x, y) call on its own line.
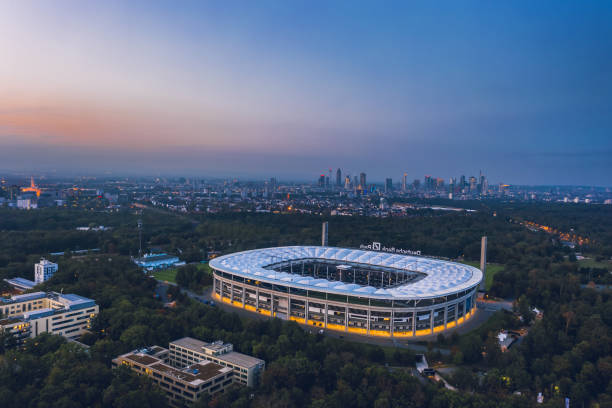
point(31, 314)
point(388, 185)
point(157, 261)
point(26, 203)
point(44, 270)
point(32, 188)
point(192, 368)
point(362, 181)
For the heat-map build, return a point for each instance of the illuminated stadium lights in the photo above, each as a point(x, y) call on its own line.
point(366, 292)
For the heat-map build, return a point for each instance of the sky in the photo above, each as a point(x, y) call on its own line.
point(521, 90)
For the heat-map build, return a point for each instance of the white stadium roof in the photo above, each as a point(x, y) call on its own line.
point(442, 277)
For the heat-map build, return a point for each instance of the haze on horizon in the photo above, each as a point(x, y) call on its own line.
point(521, 90)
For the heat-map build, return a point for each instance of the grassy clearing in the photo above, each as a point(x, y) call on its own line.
point(592, 263)
point(168, 275)
point(205, 267)
point(492, 269)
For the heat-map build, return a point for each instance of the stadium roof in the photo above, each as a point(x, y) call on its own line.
point(442, 277)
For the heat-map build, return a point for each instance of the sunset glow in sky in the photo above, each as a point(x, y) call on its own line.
point(520, 90)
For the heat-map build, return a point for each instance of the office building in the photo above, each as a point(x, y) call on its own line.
point(338, 178)
point(388, 185)
point(44, 270)
point(182, 385)
point(472, 184)
point(31, 314)
point(404, 183)
point(322, 180)
point(362, 181)
point(247, 370)
point(347, 182)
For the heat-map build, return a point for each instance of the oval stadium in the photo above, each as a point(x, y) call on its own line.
point(349, 290)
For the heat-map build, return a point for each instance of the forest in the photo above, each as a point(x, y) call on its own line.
point(566, 354)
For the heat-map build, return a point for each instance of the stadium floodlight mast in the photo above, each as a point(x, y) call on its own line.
point(140, 238)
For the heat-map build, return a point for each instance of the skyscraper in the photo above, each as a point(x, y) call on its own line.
point(338, 177)
point(347, 182)
point(427, 183)
point(404, 182)
point(362, 181)
point(472, 184)
point(388, 185)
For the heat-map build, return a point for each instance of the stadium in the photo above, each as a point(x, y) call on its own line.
point(349, 290)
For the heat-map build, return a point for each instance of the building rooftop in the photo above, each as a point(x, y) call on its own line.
point(194, 374)
point(9, 320)
point(24, 298)
point(142, 358)
point(21, 283)
point(155, 258)
point(45, 262)
point(242, 359)
point(72, 301)
point(233, 357)
point(190, 343)
point(37, 314)
point(441, 277)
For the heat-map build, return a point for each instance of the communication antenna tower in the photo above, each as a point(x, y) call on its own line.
point(140, 238)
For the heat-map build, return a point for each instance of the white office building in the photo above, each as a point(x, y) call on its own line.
point(28, 315)
point(44, 270)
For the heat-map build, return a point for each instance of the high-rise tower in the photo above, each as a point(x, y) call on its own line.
point(362, 181)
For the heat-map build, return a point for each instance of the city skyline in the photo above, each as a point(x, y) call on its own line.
point(272, 89)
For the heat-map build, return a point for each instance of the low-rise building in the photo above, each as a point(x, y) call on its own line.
point(20, 284)
point(247, 369)
point(506, 339)
point(31, 314)
point(182, 385)
point(157, 261)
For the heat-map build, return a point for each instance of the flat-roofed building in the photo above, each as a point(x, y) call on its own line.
point(67, 315)
point(182, 385)
point(20, 284)
point(157, 261)
point(247, 369)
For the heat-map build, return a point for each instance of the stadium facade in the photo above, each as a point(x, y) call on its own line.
point(349, 290)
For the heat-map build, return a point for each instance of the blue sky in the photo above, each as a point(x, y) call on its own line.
point(521, 90)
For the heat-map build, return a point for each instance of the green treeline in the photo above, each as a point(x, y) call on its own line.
point(566, 354)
